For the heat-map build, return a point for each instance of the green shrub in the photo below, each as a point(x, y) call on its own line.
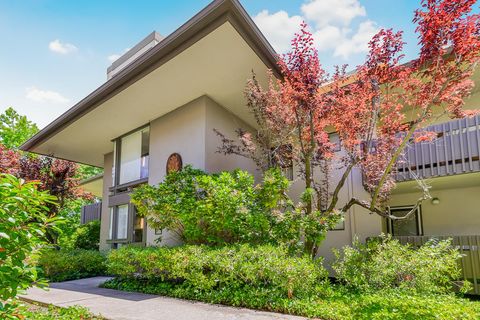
point(334, 304)
point(229, 208)
point(23, 222)
point(385, 263)
point(87, 236)
point(206, 269)
point(62, 265)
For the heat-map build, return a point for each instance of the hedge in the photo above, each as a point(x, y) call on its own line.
point(63, 265)
point(206, 268)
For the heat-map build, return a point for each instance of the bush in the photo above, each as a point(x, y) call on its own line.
point(211, 269)
point(63, 265)
point(385, 263)
point(229, 208)
point(87, 236)
point(337, 303)
point(23, 222)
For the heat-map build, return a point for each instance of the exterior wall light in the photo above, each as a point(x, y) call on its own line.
point(435, 201)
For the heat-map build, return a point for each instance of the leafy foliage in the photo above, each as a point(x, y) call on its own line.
point(335, 303)
point(385, 263)
point(87, 236)
point(206, 268)
point(368, 108)
point(228, 208)
point(63, 265)
point(15, 129)
point(31, 311)
point(23, 221)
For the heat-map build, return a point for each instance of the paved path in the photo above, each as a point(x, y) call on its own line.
point(120, 305)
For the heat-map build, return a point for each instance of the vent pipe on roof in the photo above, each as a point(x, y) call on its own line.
point(131, 55)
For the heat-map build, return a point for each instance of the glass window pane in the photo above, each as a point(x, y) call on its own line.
point(138, 224)
point(404, 227)
point(130, 157)
point(122, 221)
point(110, 226)
point(145, 153)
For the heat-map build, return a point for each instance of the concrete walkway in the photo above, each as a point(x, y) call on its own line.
point(114, 304)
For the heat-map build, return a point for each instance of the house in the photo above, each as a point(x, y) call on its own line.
point(164, 97)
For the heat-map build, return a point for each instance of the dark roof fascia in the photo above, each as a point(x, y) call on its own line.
point(207, 20)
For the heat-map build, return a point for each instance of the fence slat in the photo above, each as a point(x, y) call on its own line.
point(456, 150)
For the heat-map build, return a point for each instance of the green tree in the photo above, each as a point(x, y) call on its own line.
point(23, 221)
point(15, 129)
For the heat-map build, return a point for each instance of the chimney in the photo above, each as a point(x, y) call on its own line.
point(131, 55)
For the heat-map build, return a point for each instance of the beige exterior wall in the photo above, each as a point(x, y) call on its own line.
point(181, 131)
point(458, 212)
point(107, 183)
point(227, 123)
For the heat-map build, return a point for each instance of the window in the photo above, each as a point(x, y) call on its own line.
point(132, 155)
point(335, 140)
point(125, 225)
point(284, 159)
point(122, 222)
point(138, 227)
point(412, 226)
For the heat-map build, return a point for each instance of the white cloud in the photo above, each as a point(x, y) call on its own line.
point(62, 48)
point(330, 22)
point(336, 12)
point(38, 95)
point(279, 28)
point(358, 43)
point(115, 56)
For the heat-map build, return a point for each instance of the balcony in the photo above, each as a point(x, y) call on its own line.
point(456, 150)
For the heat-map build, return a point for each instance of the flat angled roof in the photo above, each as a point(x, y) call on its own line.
point(217, 12)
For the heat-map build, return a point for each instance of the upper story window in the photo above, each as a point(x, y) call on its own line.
point(132, 155)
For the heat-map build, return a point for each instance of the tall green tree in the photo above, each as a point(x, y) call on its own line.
point(15, 129)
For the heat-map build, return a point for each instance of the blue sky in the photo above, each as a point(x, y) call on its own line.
point(54, 53)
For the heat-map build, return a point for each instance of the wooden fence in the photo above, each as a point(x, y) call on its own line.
point(91, 212)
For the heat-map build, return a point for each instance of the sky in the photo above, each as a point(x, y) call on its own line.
point(53, 53)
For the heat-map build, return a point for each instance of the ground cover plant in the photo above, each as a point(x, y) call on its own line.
point(31, 311)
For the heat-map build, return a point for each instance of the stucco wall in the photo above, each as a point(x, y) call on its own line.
point(458, 212)
point(181, 131)
point(227, 123)
point(107, 183)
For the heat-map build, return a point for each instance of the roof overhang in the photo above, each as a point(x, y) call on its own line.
point(94, 185)
point(212, 54)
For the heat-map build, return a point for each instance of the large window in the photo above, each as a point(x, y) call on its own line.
point(132, 155)
point(125, 226)
point(411, 226)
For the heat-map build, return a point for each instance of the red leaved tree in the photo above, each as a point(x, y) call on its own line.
point(367, 109)
point(58, 177)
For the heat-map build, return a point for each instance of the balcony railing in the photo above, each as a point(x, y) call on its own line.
point(455, 150)
point(91, 212)
point(469, 247)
